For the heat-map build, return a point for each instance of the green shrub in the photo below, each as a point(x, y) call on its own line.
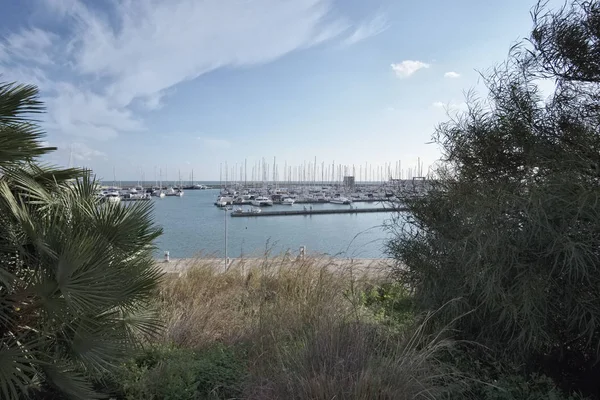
point(505, 241)
point(488, 376)
point(77, 277)
point(169, 373)
point(390, 303)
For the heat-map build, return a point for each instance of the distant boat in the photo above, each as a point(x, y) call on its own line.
point(157, 193)
point(262, 201)
point(340, 200)
point(173, 192)
point(288, 201)
point(112, 197)
point(223, 201)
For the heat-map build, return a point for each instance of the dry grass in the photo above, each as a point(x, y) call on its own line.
point(304, 330)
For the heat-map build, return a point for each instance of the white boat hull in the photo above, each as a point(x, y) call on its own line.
point(340, 201)
point(262, 203)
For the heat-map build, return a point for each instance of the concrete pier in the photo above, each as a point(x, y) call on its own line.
point(316, 212)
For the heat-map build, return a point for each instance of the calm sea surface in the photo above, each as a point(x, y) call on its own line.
point(193, 225)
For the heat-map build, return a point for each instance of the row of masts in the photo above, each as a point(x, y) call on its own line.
point(313, 172)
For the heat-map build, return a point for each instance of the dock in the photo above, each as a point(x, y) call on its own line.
point(317, 212)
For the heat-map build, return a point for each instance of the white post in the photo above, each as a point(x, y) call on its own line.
point(166, 256)
point(225, 209)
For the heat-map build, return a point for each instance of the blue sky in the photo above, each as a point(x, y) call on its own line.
point(139, 86)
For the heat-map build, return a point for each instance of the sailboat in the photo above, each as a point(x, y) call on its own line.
point(160, 194)
point(175, 192)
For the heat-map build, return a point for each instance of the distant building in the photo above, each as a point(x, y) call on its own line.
point(349, 182)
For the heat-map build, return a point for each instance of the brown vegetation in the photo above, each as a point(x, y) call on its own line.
point(304, 329)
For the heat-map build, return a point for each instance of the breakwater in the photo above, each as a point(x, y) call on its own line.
point(307, 211)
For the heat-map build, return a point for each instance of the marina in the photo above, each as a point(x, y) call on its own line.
point(193, 226)
point(350, 216)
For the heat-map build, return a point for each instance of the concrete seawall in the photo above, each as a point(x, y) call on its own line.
point(317, 212)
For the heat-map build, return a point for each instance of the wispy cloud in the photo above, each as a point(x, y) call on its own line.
point(135, 52)
point(367, 29)
point(148, 53)
point(407, 68)
point(215, 144)
point(452, 75)
point(81, 112)
point(83, 152)
point(29, 45)
point(451, 106)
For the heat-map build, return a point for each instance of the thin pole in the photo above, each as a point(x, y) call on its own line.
point(225, 208)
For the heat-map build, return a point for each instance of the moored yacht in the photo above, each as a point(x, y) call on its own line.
point(112, 197)
point(174, 192)
point(340, 200)
point(262, 201)
point(223, 201)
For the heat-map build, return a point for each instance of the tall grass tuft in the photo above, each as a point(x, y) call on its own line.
point(305, 330)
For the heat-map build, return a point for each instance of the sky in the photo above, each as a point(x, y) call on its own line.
point(140, 88)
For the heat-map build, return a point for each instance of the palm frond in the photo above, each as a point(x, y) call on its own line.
point(73, 271)
point(17, 366)
point(70, 381)
point(17, 100)
point(21, 142)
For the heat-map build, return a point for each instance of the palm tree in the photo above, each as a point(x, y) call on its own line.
point(76, 277)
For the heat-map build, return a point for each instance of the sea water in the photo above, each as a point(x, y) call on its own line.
point(193, 225)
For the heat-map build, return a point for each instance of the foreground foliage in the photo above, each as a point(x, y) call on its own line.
point(76, 277)
point(287, 330)
point(305, 330)
point(507, 235)
point(166, 372)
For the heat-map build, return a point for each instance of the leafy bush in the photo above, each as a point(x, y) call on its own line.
point(391, 305)
point(487, 377)
point(507, 233)
point(169, 373)
point(77, 278)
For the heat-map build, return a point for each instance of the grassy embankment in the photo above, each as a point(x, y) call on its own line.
point(285, 330)
point(311, 329)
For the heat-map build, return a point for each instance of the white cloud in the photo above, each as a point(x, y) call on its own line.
point(82, 152)
point(81, 112)
point(216, 144)
point(154, 101)
point(406, 68)
point(452, 75)
point(138, 51)
point(158, 45)
point(74, 153)
point(30, 45)
point(452, 106)
point(372, 27)
point(24, 74)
